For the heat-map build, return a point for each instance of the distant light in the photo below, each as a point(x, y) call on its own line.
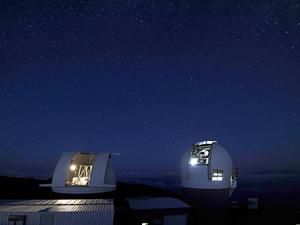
point(145, 223)
point(73, 167)
point(194, 161)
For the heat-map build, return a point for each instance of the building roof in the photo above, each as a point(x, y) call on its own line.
point(22, 208)
point(156, 203)
point(59, 205)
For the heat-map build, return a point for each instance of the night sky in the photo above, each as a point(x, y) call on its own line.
point(147, 79)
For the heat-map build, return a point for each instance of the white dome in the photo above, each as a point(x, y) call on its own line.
point(207, 165)
point(84, 173)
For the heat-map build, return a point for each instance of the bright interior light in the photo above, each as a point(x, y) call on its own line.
point(217, 178)
point(193, 161)
point(73, 167)
point(145, 223)
point(217, 175)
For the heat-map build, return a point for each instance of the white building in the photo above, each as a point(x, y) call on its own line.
point(58, 212)
point(207, 175)
point(159, 210)
point(207, 165)
point(84, 173)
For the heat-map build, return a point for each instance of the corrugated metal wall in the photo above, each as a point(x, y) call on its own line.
point(61, 218)
point(78, 218)
point(60, 214)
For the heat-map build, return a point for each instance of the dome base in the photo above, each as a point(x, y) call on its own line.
point(207, 198)
point(210, 206)
point(84, 190)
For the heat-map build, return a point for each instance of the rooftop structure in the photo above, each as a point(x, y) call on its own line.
point(151, 203)
point(159, 210)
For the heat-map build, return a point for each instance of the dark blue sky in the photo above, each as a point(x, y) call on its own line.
point(147, 79)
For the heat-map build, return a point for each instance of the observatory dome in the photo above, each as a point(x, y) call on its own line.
point(83, 173)
point(207, 165)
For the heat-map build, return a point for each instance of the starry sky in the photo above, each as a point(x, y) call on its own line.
point(147, 79)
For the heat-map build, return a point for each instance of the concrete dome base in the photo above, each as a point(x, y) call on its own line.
point(207, 198)
point(210, 206)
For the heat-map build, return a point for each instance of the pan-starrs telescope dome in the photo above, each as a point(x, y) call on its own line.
point(207, 180)
point(84, 173)
point(207, 165)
